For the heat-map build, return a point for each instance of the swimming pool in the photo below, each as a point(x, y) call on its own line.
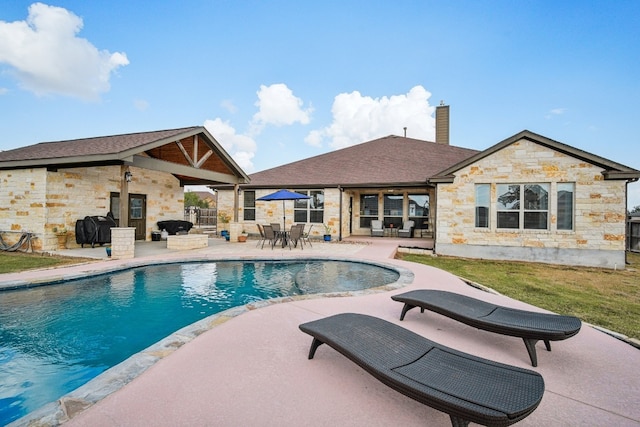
point(54, 339)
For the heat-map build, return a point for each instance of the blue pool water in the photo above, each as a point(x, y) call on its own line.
point(56, 338)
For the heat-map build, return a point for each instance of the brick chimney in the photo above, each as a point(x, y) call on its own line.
point(442, 124)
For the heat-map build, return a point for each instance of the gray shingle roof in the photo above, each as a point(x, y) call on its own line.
point(102, 145)
point(392, 160)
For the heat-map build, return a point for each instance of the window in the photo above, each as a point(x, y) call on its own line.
point(483, 193)
point(393, 210)
point(249, 205)
point(419, 210)
point(135, 208)
point(565, 205)
point(368, 209)
point(309, 210)
point(526, 204)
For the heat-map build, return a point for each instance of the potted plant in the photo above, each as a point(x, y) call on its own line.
point(327, 233)
point(224, 220)
point(61, 234)
point(243, 236)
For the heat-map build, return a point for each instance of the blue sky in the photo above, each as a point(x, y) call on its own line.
point(279, 81)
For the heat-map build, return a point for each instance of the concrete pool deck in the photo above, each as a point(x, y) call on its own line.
point(252, 369)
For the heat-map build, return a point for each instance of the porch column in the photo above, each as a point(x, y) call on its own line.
point(123, 240)
point(124, 196)
point(236, 201)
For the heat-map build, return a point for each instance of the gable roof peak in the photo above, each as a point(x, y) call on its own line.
point(612, 170)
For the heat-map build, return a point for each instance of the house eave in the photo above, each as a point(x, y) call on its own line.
point(621, 175)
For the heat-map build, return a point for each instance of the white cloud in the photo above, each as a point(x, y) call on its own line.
point(278, 106)
point(229, 106)
point(241, 148)
point(555, 112)
point(46, 55)
point(140, 104)
point(358, 118)
point(3, 90)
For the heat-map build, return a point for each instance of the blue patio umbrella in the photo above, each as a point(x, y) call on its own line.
point(283, 195)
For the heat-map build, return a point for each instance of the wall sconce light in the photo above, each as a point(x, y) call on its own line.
point(239, 191)
point(128, 176)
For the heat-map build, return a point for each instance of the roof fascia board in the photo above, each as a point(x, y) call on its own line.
point(619, 175)
point(63, 162)
point(174, 168)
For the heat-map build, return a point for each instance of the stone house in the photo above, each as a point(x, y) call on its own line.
point(531, 198)
point(53, 184)
point(526, 198)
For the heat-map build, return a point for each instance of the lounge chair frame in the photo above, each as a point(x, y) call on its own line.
point(466, 387)
point(528, 325)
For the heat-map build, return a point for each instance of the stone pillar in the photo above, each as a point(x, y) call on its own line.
point(235, 229)
point(123, 241)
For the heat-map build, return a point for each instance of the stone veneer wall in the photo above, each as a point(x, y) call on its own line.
point(23, 204)
point(37, 201)
point(599, 227)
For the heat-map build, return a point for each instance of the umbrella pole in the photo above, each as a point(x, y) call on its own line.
point(284, 217)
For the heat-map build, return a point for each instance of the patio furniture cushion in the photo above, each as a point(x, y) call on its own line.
point(174, 226)
point(466, 387)
point(407, 229)
point(376, 228)
point(528, 325)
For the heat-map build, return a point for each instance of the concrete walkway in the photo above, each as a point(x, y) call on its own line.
point(252, 368)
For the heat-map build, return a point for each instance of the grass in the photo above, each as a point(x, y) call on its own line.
point(602, 297)
point(12, 262)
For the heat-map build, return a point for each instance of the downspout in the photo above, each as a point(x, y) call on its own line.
point(435, 215)
point(340, 215)
point(627, 233)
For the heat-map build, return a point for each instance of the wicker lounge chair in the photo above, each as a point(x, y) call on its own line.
point(376, 228)
point(407, 229)
point(528, 325)
point(466, 387)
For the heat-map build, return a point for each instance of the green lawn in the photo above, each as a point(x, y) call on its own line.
point(606, 298)
point(11, 262)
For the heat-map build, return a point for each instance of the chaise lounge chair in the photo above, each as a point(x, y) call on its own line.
point(466, 387)
point(528, 325)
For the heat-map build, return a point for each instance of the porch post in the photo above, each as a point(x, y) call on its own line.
point(124, 197)
point(236, 201)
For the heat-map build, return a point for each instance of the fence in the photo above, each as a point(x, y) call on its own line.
point(201, 217)
point(633, 232)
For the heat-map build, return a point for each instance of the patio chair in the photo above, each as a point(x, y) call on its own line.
point(306, 235)
point(269, 235)
point(466, 387)
point(376, 228)
point(261, 230)
point(407, 229)
point(528, 325)
point(295, 236)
